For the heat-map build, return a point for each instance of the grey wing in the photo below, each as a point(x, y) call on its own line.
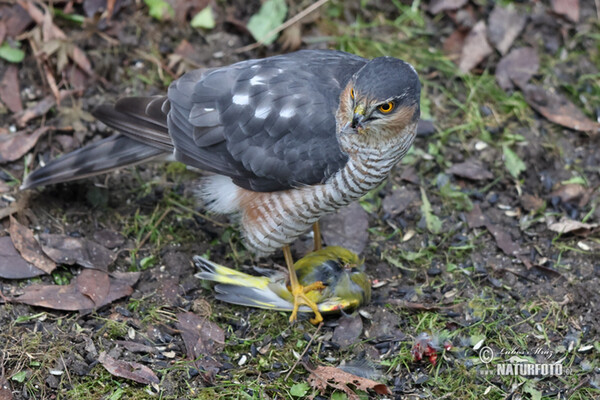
point(268, 124)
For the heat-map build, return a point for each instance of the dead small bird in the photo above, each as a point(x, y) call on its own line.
point(334, 277)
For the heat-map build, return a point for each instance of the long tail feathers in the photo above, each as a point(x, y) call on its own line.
point(211, 271)
point(94, 159)
point(142, 122)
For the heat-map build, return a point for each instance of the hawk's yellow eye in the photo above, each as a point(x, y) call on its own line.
point(352, 93)
point(387, 107)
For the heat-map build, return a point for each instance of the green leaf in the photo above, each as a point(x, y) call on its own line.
point(434, 224)
point(204, 19)
point(339, 396)
point(147, 262)
point(299, 389)
point(456, 197)
point(533, 392)
point(271, 14)
point(576, 179)
point(513, 163)
point(11, 54)
point(20, 376)
point(160, 9)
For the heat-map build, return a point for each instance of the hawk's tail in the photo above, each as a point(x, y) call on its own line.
point(142, 122)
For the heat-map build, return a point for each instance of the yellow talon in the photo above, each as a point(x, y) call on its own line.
point(300, 298)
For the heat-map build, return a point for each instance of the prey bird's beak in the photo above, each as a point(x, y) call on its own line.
point(359, 116)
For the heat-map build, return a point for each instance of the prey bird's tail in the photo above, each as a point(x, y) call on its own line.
point(143, 135)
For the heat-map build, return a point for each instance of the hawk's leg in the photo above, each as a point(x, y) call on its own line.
point(299, 291)
point(317, 236)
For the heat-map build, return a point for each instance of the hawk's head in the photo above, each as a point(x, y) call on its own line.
point(379, 106)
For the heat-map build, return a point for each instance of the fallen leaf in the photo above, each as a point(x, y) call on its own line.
point(531, 203)
point(567, 225)
point(322, 377)
point(476, 48)
point(29, 248)
point(69, 297)
point(204, 19)
point(437, 6)
point(504, 26)
point(517, 67)
point(109, 239)
point(434, 224)
point(470, 169)
point(37, 110)
point(397, 201)
point(513, 162)
point(454, 44)
point(271, 14)
point(557, 108)
point(70, 250)
point(128, 369)
point(347, 228)
point(12, 265)
point(568, 8)
point(94, 284)
point(10, 94)
point(15, 145)
point(136, 347)
point(476, 219)
point(15, 18)
point(201, 336)
point(572, 192)
point(5, 391)
point(348, 330)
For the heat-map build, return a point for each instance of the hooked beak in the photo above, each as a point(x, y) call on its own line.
point(358, 117)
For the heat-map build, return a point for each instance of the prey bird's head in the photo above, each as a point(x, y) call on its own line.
point(379, 107)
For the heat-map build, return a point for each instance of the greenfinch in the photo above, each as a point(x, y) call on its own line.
point(334, 276)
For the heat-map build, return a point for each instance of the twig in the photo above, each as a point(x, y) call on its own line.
point(304, 352)
point(283, 26)
point(167, 211)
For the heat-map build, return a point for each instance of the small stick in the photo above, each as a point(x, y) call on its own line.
point(304, 352)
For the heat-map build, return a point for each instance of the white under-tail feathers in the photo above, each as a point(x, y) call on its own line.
point(239, 288)
point(219, 194)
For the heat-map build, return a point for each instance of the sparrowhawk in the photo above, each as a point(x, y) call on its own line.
point(289, 138)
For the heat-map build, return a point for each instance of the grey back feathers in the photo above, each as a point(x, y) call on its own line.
point(268, 124)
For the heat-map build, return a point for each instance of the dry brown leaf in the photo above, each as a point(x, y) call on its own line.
point(397, 201)
point(128, 370)
point(504, 26)
point(568, 8)
point(15, 18)
point(15, 145)
point(29, 248)
point(573, 192)
point(531, 203)
point(517, 67)
point(557, 108)
point(476, 219)
point(10, 94)
point(476, 48)
point(94, 284)
point(454, 44)
point(136, 347)
point(37, 110)
point(69, 250)
point(348, 330)
point(437, 6)
point(470, 169)
point(12, 265)
point(347, 228)
point(69, 297)
point(567, 225)
point(323, 377)
point(201, 336)
point(5, 391)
